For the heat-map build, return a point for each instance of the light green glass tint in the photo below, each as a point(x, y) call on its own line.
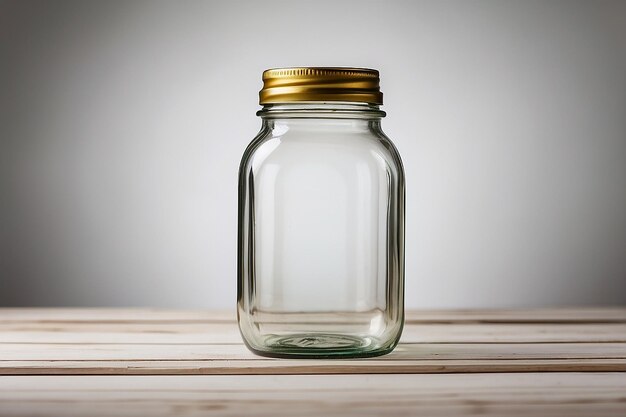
point(321, 234)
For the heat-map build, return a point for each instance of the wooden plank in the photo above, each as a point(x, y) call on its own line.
point(303, 366)
point(127, 315)
point(238, 352)
point(187, 333)
point(537, 315)
point(532, 394)
point(113, 315)
point(514, 333)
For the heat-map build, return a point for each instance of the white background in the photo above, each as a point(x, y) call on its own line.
point(122, 125)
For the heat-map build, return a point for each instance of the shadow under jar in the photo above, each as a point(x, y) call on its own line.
point(321, 220)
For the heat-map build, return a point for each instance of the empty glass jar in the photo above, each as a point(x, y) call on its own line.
point(321, 219)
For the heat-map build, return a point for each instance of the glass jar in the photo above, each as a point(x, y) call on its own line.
point(321, 220)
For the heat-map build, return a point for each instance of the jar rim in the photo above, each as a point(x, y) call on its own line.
point(322, 109)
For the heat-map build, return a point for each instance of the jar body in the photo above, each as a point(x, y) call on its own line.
point(321, 235)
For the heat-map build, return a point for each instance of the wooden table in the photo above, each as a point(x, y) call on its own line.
point(140, 362)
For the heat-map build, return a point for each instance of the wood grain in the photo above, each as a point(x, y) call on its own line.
point(547, 362)
point(134, 315)
point(207, 333)
point(525, 394)
point(136, 341)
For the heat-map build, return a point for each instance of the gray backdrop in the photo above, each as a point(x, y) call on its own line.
point(122, 125)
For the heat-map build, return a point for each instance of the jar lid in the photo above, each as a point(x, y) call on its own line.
point(286, 85)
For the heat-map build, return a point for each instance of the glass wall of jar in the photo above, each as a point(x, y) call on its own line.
point(321, 220)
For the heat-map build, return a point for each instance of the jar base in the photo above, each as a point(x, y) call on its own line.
point(321, 345)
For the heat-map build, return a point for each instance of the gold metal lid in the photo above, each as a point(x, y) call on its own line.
point(286, 85)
